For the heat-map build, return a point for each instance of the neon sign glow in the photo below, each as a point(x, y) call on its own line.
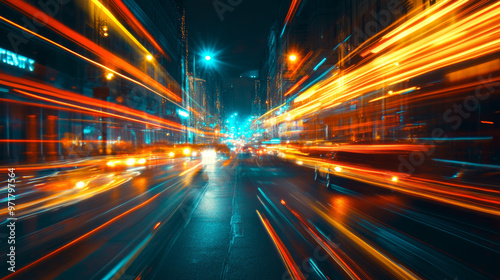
point(19, 61)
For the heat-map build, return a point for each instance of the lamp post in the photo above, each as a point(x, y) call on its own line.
point(208, 58)
point(102, 92)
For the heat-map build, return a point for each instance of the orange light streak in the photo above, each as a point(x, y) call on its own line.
point(190, 169)
point(29, 85)
point(329, 250)
point(119, 24)
point(479, 199)
point(16, 82)
point(48, 106)
point(460, 186)
point(396, 269)
point(157, 225)
point(426, 18)
point(48, 167)
point(301, 81)
point(48, 141)
point(459, 38)
point(86, 43)
point(291, 11)
point(82, 237)
point(93, 110)
point(376, 148)
point(391, 93)
point(138, 27)
point(290, 264)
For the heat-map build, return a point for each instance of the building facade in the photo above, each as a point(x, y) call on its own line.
point(111, 73)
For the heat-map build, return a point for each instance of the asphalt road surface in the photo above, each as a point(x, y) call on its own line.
point(245, 218)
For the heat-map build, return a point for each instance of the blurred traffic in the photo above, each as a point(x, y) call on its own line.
point(364, 144)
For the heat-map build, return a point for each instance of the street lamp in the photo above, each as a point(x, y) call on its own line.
point(102, 27)
point(208, 62)
point(292, 57)
point(149, 57)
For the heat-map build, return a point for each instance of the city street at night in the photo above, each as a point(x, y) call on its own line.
point(238, 139)
point(251, 218)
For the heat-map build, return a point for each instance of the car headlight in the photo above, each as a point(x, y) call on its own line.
point(130, 161)
point(142, 161)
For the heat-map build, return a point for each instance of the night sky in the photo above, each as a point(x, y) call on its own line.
point(241, 36)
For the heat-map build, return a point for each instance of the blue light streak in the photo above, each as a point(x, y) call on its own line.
point(319, 64)
point(342, 42)
point(317, 79)
point(457, 138)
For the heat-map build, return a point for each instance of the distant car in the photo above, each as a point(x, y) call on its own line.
point(273, 152)
point(322, 170)
point(331, 164)
point(122, 163)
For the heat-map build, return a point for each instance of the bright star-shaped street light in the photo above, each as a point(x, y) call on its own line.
point(207, 58)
